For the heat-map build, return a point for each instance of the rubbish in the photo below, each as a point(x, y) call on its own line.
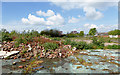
point(23, 60)
point(5, 54)
point(14, 63)
point(20, 66)
point(38, 67)
point(74, 48)
point(79, 67)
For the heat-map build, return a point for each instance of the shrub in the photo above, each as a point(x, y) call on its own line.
point(72, 35)
point(73, 43)
point(98, 42)
point(16, 44)
point(29, 38)
point(89, 46)
point(67, 42)
point(6, 38)
point(52, 46)
point(81, 45)
point(52, 33)
point(113, 47)
point(21, 40)
point(57, 39)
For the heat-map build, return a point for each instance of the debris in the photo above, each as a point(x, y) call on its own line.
point(5, 54)
point(23, 60)
point(38, 67)
point(79, 67)
point(20, 66)
point(14, 63)
point(74, 48)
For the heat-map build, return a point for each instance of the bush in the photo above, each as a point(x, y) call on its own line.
point(67, 42)
point(72, 35)
point(29, 38)
point(81, 45)
point(19, 41)
point(73, 43)
point(57, 39)
point(113, 47)
point(16, 44)
point(89, 46)
point(52, 33)
point(98, 42)
point(52, 46)
point(6, 38)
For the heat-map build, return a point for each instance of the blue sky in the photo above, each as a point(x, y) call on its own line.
point(65, 16)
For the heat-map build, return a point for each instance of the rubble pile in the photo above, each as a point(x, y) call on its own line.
point(34, 49)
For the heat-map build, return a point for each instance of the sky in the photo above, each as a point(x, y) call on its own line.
point(65, 16)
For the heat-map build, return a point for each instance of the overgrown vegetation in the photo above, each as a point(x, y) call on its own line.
point(52, 46)
point(30, 36)
point(99, 43)
point(52, 33)
point(114, 32)
point(92, 31)
point(113, 47)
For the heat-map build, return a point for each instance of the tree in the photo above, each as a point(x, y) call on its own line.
point(52, 32)
point(5, 35)
point(81, 33)
point(92, 31)
point(114, 32)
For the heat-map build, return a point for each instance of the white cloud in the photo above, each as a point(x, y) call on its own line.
point(86, 25)
point(48, 27)
point(51, 20)
point(73, 20)
point(56, 19)
point(82, 4)
point(93, 26)
point(100, 28)
point(79, 16)
point(33, 20)
point(24, 20)
point(60, 0)
point(89, 26)
point(48, 13)
point(75, 4)
point(91, 13)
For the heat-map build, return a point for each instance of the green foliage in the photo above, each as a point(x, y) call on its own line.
point(113, 47)
point(92, 31)
point(5, 35)
point(67, 42)
point(89, 46)
point(73, 43)
point(114, 32)
point(52, 33)
point(29, 38)
point(57, 39)
point(81, 33)
point(72, 35)
point(16, 44)
point(23, 52)
point(98, 42)
point(52, 46)
point(81, 45)
point(19, 41)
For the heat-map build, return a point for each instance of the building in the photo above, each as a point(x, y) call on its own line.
point(60, 32)
point(102, 35)
point(74, 32)
point(114, 36)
